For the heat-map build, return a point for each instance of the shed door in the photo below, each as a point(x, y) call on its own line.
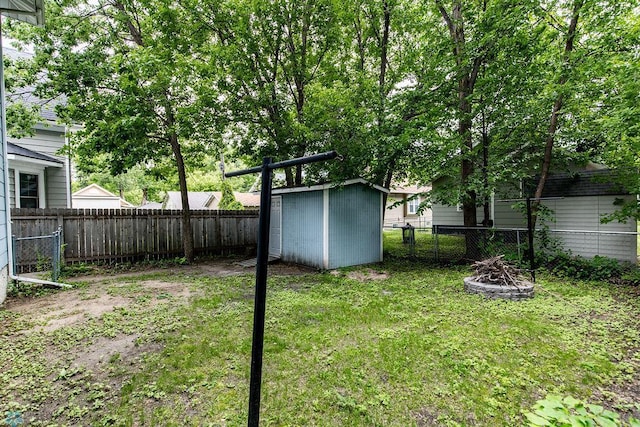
point(275, 230)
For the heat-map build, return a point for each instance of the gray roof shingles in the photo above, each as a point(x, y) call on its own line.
point(584, 183)
point(24, 152)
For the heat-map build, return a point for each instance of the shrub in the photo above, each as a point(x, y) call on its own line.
point(228, 201)
point(598, 268)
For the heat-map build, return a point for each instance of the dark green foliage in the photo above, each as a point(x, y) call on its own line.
point(598, 268)
point(228, 201)
point(403, 90)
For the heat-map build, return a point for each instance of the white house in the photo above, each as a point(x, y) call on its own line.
point(32, 13)
point(403, 207)
point(39, 177)
point(95, 197)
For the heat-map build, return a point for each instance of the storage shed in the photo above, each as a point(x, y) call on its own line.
point(328, 226)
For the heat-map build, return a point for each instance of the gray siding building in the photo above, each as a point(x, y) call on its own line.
point(39, 172)
point(328, 226)
point(578, 202)
point(39, 175)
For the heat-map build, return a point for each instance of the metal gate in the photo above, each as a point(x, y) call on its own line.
point(38, 254)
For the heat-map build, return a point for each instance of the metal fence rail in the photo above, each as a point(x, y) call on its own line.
point(417, 222)
point(446, 243)
point(38, 253)
point(452, 243)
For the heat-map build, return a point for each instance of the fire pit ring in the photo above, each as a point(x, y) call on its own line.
point(490, 290)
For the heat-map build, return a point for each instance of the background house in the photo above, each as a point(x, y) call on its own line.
point(248, 200)
point(578, 201)
point(208, 200)
point(39, 173)
point(327, 226)
point(197, 200)
point(151, 205)
point(95, 197)
point(403, 203)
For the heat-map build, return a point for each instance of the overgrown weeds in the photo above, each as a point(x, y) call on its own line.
point(408, 347)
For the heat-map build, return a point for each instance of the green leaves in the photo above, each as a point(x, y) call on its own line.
point(377, 80)
point(554, 411)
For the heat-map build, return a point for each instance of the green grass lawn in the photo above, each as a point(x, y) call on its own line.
point(448, 247)
point(443, 247)
point(411, 349)
point(408, 347)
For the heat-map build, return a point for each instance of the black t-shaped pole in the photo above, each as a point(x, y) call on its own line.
point(262, 261)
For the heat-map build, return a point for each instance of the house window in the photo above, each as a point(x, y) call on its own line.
point(412, 206)
point(29, 195)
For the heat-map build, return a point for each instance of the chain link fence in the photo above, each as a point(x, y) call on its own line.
point(454, 244)
point(38, 254)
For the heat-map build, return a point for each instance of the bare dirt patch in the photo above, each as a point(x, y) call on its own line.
point(83, 355)
point(61, 309)
point(367, 275)
point(71, 307)
point(104, 349)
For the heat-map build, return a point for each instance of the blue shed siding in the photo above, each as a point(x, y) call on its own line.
point(355, 226)
point(302, 228)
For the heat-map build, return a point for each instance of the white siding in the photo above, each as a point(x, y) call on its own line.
point(96, 203)
point(56, 188)
point(394, 215)
point(584, 214)
point(46, 141)
point(451, 215)
point(4, 240)
point(12, 187)
point(506, 216)
point(398, 216)
point(580, 215)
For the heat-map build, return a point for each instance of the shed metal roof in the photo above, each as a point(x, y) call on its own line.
point(329, 185)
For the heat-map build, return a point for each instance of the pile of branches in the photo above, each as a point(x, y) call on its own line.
point(496, 271)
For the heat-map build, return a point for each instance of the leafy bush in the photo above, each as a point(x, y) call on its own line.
point(555, 411)
point(577, 267)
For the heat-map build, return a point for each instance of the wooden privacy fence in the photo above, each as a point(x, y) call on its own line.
point(111, 235)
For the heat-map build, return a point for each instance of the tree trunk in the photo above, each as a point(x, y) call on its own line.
point(382, 93)
point(555, 112)
point(466, 82)
point(288, 175)
point(187, 232)
point(384, 48)
point(387, 184)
